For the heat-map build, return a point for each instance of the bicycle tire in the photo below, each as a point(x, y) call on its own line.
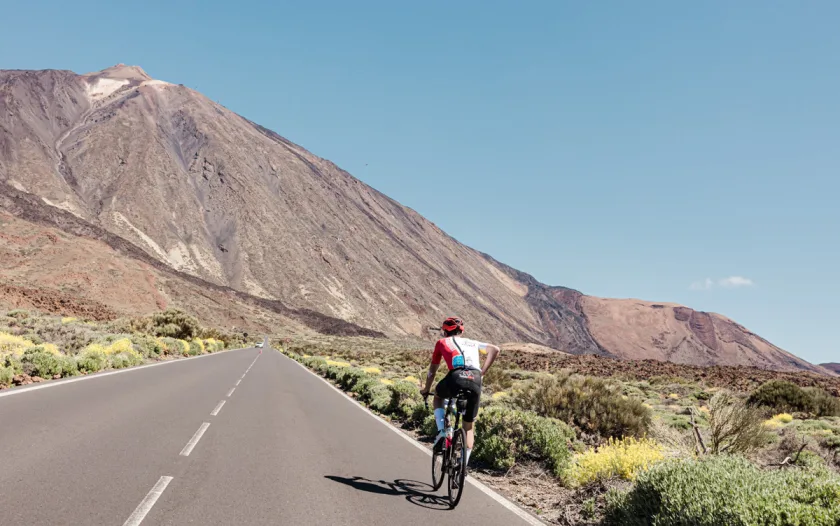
point(439, 465)
point(457, 469)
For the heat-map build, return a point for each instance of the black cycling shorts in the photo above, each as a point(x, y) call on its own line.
point(468, 380)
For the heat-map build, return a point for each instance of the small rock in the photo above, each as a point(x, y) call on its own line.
point(56, 376)
point(36, 379)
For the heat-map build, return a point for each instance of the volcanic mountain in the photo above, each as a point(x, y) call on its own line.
point(215, 196)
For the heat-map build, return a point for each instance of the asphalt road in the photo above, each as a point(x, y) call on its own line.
point(156, 445)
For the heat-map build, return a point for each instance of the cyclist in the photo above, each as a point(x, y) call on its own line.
point(465, 372)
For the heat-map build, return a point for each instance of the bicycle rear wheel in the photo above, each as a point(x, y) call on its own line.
point(439, 453)
point(457, 469)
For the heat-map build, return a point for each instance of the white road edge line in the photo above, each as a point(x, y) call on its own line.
point(218, 408)
point(147, 503)
point(194, 440)
point(522, 514)
point(56, 383)
point(232, 389)
point(237, 382)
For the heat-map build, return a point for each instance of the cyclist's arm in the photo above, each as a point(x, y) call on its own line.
point(430, 377)
point(492, 353)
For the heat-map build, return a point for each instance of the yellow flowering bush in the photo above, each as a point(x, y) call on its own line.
point(68, 319)
point(372, 370)
point(336, 363)
point(785, 418)
point(624, 458)
point(121, 345)
point(411, 379)
point(778, 421)
point(387, 381)
point(499, 394)
point(674, 396)
point(13, 345)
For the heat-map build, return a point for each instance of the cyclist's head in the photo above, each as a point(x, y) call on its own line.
point(452, 326)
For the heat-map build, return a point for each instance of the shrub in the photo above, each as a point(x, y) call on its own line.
point(184, 347)
point(497, 379)
point(39, 362)
point(197, 347)
point(18, 314)
point(506, 436)
point(404, 398)
point(623, 458)
point(172, 323)
point(363, 386)
point(149, 346)
point(348, 377)
point(727, 490)
point(69, 367)
point(592, 404)
point(823, 403)
point(6, 375)
point(372, 370)
point(13, 345)
point(379, 398)
point(68, 319)
point(734, 426)
point(782, 396)
point(119, 345)
point(92, 359)
point(125, 359)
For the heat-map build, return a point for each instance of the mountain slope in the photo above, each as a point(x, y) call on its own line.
point(218, 197)
point(833, 367)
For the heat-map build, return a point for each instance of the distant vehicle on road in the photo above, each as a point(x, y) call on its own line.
point(259, 345)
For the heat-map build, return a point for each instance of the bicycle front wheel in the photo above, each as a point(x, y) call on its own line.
point(439, 453)
point(457, 469)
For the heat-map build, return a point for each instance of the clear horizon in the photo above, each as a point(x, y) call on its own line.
point(665, 152)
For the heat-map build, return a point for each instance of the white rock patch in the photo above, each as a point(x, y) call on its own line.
point(101, 88)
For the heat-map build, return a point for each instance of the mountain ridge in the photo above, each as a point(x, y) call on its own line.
point(217, 196)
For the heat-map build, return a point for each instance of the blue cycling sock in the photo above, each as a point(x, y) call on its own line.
point(439, 412)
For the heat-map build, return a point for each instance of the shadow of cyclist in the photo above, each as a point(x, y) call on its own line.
point(414, 491)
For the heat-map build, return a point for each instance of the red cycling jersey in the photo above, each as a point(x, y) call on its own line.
point(458, 352)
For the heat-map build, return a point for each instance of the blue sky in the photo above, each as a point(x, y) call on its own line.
point(627, 149)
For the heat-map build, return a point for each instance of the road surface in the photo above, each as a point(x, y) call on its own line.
point(241, 437)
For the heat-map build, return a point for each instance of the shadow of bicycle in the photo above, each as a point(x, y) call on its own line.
point(414, 492)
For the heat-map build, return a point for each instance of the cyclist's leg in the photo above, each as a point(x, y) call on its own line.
point(473, 385)
point(442, 390)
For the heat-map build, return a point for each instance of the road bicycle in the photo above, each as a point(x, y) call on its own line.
point(449, 456)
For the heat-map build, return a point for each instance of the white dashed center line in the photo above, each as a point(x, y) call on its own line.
point(146, 504)
point(218, 408)
point(194, 440)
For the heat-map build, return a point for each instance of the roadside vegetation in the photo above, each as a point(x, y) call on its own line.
point(582, 449)
point(36, 347)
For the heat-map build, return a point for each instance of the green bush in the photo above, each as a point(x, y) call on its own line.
point(497, 379)
point(148, 346)
point(363, 387)
point(592, 404)
point(171, 323)
point(727, 490)
point(782, 397)
point(125, 359)
point(379, 398)
point(18, 314)
point(348, 377)
point(69, 367)
point(506, 436)
point(6, 375)
point(734, 426)
point(195, 348)
point(38, 362)
point(824, 403)
point(91, 361)
point(405, 397)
